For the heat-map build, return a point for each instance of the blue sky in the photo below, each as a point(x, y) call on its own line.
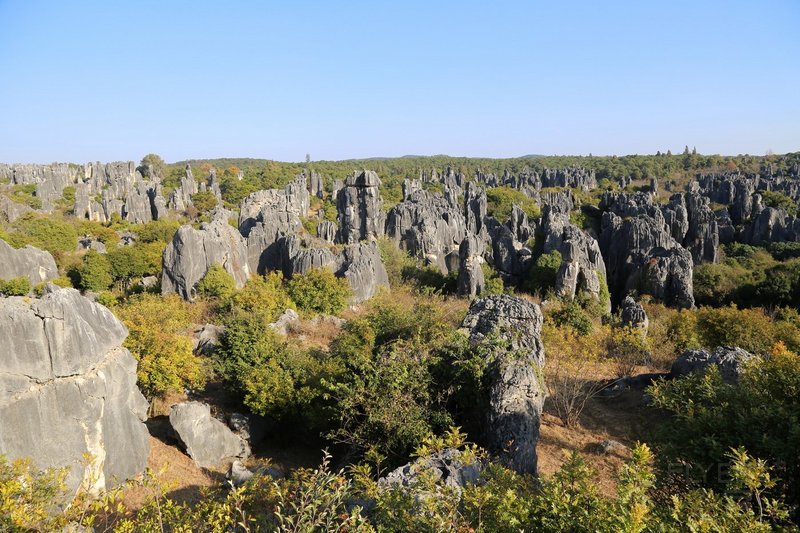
point(112, 80)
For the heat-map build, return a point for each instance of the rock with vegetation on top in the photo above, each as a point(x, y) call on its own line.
point(512, 327)
point(68, 389)
point(730, 361)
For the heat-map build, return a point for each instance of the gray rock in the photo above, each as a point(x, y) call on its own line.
point(192, 252)
point(633, 315)
point(208, 441)
point(68, 388)
point(326, 230)
point(447, 467)
point(35, 264)
point(89, 243)
point(362, 267)
point(427, 226)
point(286, 322)
point(470, 274)
point(516, 391)
point(251, 428)
point(317, 185)
point(206, 338)
point(360, 208)
point(729, 360)
point(10, 211)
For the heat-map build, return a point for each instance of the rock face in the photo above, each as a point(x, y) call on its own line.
point(362, 267)
point(35, 264)
point(517, 390)
point(641, 255)
point(729, 360)
point(360, 208)
point(208, 441)
point(427, 226)
point(582, 267)
point(68, 387)
point(192, 252)
point(11, 211)
point(470, 273)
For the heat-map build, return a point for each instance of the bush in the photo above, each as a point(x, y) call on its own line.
point(501, 200)
point(159, 339)
point(572, 315)
point(48, 233)
point(709, 417)
point(544, 273)
point(216, 283)
point(94, 274)
point(20, 286)
point(161, 230)
point(131, 262)
point(319, 291)
point(628, 347)
point(204, 201)
point(750, 329)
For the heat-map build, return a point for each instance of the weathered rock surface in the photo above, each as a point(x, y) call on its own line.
point(633, 315)
point(35, 264)
point(362, 267)
point(470, 272)
point(68, 388)
point(208, 441)
point(517, 390)
point(427, 226)
point(11, 211)
point(206, 338)
point(582, 268)
point(641, 255)
point(729, 360)
point(192, 252)
point(360, 208)
point(285, 322)
point(447, 467)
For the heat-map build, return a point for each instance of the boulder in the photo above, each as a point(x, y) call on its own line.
point(35, 264)
point(206, 338)
point(285, 322)
point(192, 252)
point(68, 388)
point(447, 467)
point(362, 267)
point(208, 441)
point(11, 210)
point(516, 386)
point(633, 315)
point(730, 361)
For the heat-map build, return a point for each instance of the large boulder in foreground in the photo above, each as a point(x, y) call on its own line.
point(68, 388)
point(193, 251)
point(512, 327)
point(207, 440)
point(35, 264)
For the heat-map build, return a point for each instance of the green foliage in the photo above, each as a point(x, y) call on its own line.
point(750, 329)
point(29, 497)
point(709, 417)
point(131, 262)
point(204, 201)
point(161, 230)
point(25, 194)
point(395, 260)
point(542, 277)
point(494, 283)
point(20, 286)
point(572, 315)
point(94, 274)
point(502, 199)
point(216, 283)
point(67, 200)
point(48, 233)
point(779, 200)
point(319, 291)
point(152, 163)
point(159, 338)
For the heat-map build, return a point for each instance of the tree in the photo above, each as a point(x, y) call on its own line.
point(95, 272)
point(158, 339)
point(216, 283)
point(319, 291)
point(152, 166)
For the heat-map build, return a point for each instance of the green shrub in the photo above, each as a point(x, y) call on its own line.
point(542, 277)
point(779, 200)
point(161, 230)
point(94, 274)
point(159, 339)
point(216, 283)
point(750, 329)
point(204, 201)
point(130, 262)
point(502, 199)
point(572, 315)
point(48, 233)
point(20, 286)
point(319, 291)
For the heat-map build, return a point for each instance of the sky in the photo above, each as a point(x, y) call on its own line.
point(115, 80)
